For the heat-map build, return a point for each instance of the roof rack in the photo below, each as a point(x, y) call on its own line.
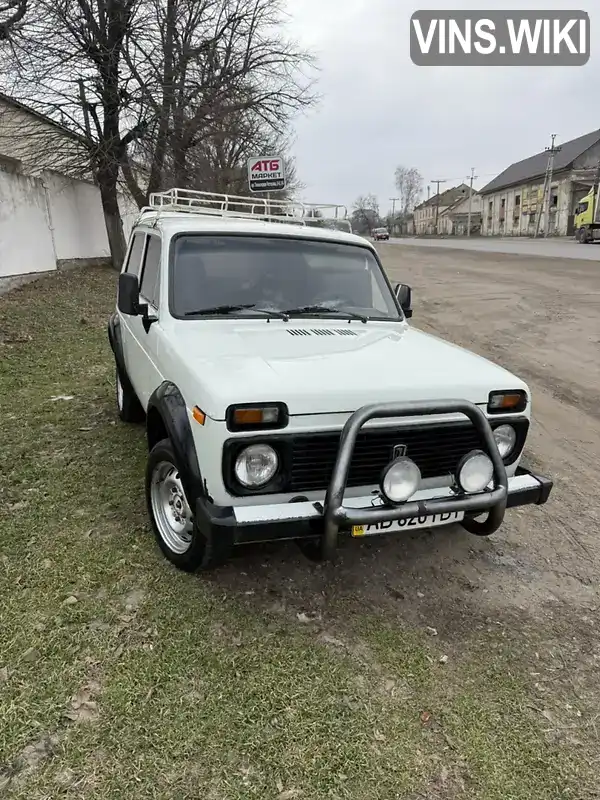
point(190, 201)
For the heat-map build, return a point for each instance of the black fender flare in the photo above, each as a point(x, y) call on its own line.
point(168, 401)
point(116, 343)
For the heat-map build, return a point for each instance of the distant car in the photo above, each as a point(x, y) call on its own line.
point(381, 233)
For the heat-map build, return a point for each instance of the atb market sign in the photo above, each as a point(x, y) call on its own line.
point(266, 174)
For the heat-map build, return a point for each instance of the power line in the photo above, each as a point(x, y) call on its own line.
point(483, 175)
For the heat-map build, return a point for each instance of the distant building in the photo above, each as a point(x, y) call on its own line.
point(426, 212)
point(512, 201)
point(454, 220)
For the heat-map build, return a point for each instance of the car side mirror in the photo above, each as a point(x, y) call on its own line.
point(128, 301)
point(404, 296)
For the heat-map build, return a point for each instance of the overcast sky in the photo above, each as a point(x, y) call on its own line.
point(379, 110)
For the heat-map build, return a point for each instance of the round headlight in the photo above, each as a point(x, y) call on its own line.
point(475, 471)
point(506, 439)
point(401, 480)
point(256, 465)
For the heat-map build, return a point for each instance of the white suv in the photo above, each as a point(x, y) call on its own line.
point(286, 396)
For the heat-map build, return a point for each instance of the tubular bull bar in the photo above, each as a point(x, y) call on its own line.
point(303, 519)
point(494, 501)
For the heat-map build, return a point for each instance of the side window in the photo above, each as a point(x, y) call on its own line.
point(134, 262)
point(150, 283)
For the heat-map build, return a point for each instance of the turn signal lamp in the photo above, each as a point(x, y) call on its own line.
point(198, 415)
point(259, 416)
point(507, 402)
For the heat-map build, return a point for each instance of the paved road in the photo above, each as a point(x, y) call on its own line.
point(568, 248)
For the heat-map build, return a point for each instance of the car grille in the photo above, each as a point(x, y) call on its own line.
point(436, 449)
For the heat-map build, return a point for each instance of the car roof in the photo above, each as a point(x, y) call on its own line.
point(177, 222)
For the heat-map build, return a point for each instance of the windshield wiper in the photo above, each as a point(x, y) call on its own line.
point(324, 310)
point(231, 309)
point(216, 310)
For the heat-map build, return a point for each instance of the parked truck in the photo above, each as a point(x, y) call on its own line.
point(587, 222)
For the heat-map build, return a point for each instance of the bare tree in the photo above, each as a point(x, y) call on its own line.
point(220, 77)
point(68, 64)
point(159, 90)
point(11, 14)
point(365, 214)
point(219, 162)
point(409, 183)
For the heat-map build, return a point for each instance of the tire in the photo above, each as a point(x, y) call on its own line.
point(172, 520)
point(128, 406)
point(583, 236)
point(311, 549)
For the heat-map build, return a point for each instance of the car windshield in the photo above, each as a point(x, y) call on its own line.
point(280, 274)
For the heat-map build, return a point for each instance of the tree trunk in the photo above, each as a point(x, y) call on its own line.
point(113, 222)
point(180, 167)
point(140, 197)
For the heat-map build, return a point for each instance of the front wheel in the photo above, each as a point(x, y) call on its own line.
point(583, 236)
point(172, 519)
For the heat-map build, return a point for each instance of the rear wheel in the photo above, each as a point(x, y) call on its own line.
point(172, 520)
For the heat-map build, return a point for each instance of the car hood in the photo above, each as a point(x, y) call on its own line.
point(324, 367)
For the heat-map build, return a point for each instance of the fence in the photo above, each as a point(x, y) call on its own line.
point(50, 219)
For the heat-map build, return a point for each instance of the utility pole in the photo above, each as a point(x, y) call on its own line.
point(473, 177)
point(596, 193)
point(552, 150)
point(394, 200)
point(437, 203)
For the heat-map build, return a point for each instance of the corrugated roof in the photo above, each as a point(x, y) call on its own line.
point(447, 197)
point(535, 166)
point(456, 203)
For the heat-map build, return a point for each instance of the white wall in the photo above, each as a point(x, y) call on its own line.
point(25, 236)
point(52, 218)
point(49, 208)
point(77, 219)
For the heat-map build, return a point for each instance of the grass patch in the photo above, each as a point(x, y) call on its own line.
point(120, 677)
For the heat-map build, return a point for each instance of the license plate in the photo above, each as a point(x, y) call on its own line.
point(412, 523)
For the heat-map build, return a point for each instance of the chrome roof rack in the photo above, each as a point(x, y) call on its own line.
point(190, 201)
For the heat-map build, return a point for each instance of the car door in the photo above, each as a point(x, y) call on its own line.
point(141, 350)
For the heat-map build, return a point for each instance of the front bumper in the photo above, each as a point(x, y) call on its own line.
point(306, 520)
point(338, 513)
